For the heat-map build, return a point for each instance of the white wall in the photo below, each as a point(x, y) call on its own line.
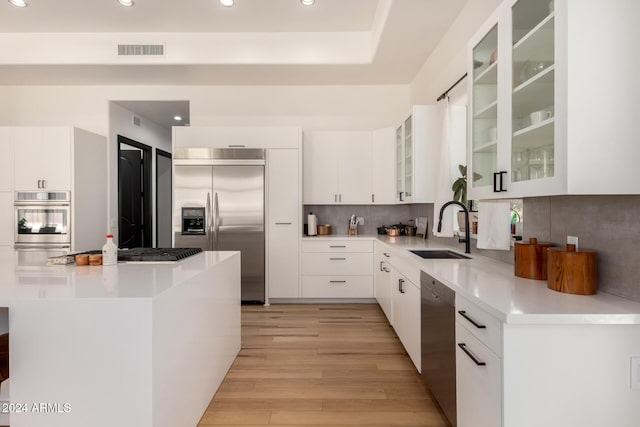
point(448, 62)
point(310, 107)
point(148, 133)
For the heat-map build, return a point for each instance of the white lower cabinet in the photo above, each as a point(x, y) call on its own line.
point(478, 382)
point(405, 300)
point(478, 366)
point(337, 269)
point(382, 280)
point(6, 218)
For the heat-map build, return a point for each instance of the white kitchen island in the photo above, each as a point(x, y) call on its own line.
point(136, 344)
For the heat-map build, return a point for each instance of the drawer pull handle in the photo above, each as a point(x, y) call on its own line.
point(473, 322)
point(386, 254)
point(237, 146)
point(386, 269)
point(337, 281)
point(381, 267)
point(337, 246)
point(477, 361)
point(400, 282)
point(283, 223)
point(337, 259)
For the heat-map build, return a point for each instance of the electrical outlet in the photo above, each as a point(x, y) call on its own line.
point(635, 373)
point(360, 220)
point(572, 240)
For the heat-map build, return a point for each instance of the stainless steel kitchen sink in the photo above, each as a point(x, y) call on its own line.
point(439, 254)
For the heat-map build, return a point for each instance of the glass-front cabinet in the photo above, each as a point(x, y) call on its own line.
point(533, 89)
point(404, 162)
point(484, 117)
point(553, 99)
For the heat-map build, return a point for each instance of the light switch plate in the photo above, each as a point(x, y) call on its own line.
point(572, 240)
point(635, 373)
point(360, 220)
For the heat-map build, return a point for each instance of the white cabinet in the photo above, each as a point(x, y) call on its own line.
point(478, 366)
point(64, 159)
point(6, 218)
point(541, 121)
point(236, 137)
point(382, 280)
point(337, 269)
point(337, 168)
point(417, 153)
point(42, 158)
point(478, 382)
point(6, 160)
point(406, 314)
point(283, 227)
point(383, 167)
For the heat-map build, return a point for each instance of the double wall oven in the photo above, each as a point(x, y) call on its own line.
point(42, 221)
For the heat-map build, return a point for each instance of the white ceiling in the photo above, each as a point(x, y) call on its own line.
point(188, 16)
point(400, 36)
point(395, 39)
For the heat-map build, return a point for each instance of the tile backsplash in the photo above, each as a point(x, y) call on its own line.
point(608, 225)
point(374, 216)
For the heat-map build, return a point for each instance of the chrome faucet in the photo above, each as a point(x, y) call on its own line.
point(467, 239)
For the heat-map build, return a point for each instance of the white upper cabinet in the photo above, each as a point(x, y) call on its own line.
point(417, 152)
point(553, 98)
point(42, 158)
point(383, 171)
point(235, 137)
point(337, 167)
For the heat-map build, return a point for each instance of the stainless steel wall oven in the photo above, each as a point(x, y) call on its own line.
point(42, 220)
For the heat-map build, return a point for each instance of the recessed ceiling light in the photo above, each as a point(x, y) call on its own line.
point(307, 2)
point(227, 3)
point(177, 118)
point(19, 3)
point(127, 3)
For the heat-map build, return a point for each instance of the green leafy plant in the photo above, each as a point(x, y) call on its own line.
point(459, 186)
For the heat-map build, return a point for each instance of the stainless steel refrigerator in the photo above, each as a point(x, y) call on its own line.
point(219, 206)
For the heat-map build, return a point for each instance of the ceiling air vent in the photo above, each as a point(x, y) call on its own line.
point(140, 50)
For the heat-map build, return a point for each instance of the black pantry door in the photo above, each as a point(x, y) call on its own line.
point(134, 194)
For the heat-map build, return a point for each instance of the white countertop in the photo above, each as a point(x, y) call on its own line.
point(124, 280)
point(492, 285)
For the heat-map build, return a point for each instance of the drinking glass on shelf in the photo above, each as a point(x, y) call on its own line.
point(520, 162)
point(535, 164)
point(546, 159)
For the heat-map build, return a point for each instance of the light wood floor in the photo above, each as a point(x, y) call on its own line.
point(321, 365)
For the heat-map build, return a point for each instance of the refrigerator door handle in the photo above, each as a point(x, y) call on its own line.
point(209, 225)
point(216, 220)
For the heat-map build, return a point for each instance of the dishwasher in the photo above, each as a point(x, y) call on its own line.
point(438, 334)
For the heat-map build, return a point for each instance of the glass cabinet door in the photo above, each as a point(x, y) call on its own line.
point(408, 158)
point(532, 99)
point(484, 137)
point(399, 164)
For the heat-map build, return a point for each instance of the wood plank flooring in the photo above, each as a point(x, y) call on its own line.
point(321, 365)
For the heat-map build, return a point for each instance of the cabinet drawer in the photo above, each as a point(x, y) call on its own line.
point(481, 324)
point(478, 382)
point(337, 286)
point(351, 264)
point(337, 246)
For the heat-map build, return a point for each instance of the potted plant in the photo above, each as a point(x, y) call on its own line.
point(459, 188)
